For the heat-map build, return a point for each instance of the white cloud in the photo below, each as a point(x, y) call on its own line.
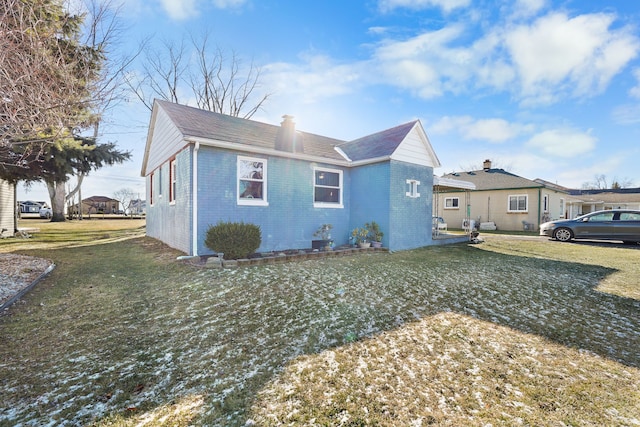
point(635, 91)
point(446, 5)
point(229, 4)
point(316, 78)
point(563, 143)
point(558, 55)
point(180, 9)
point(539, 62)
point(492, 130)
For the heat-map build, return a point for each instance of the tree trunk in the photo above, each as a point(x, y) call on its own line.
point(57, 194)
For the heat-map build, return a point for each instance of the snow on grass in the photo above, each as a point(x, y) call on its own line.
point(414, 338)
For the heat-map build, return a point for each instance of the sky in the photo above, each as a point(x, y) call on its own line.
point(545, 89)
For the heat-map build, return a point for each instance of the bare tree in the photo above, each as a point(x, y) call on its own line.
point(217, 82)
point(600, 182)
point(124, 196)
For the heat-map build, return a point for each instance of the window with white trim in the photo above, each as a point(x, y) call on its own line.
point(327, 188)
point(151, 177)
point(452, 203)
point(252, 181)
point(412, 187)
point(562, 215)
point(545, 203)
point(172, 181)
point(518, 203)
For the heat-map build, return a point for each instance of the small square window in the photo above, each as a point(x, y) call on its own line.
point(412, 188)
point(518, 203)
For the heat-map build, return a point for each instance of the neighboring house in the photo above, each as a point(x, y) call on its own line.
point(137, 207)
point(99, 205)
point(584, 201)
point(203, 167)
point(510, 201)
point(8, 207)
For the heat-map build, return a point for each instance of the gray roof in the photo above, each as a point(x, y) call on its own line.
point(493, 179)
point(194, 122)
point(380, 144)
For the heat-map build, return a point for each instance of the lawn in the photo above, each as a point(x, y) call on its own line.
point(508, 332)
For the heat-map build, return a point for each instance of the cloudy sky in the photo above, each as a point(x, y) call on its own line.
point(546, 89)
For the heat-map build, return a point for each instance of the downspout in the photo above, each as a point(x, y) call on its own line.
point(194, 205)
point(539, 206)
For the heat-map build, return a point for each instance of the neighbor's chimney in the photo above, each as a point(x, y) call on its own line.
point(486, 165)
point(287, 138)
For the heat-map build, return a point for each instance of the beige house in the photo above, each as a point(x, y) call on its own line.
point(509, 201)
point(582, 202)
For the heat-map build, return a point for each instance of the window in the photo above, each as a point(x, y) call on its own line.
point(327, 188)
point(629, 216)
point(413, 188)
point(172, 181)
point(151, 188)
point(451, 203)
point(562, 215)
point(160, 181)
point(252, 177)
point(518, 203)
point(545, 203)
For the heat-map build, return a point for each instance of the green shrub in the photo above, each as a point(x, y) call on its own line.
point(234, 239)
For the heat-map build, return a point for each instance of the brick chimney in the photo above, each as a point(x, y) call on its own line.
point(287, 138)
point(486, 165)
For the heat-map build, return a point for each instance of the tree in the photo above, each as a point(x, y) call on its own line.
point(600, 182)
point(54, 148)
point(217, 83)
point(125, 196)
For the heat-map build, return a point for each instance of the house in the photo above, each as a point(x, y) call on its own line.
point(582, 202)
point(8, 220)
point(203, 167)
point(508, 200)
point(99, 205)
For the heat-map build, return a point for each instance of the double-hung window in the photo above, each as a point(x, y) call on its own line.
point(172, 181)
point(451, 203)
point(327, 188)
point(252, 181)
point(518, 203)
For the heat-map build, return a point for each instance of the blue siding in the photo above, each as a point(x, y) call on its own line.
point(290, 219)
point(370, 197)
point(410, 218)
point(171, 222)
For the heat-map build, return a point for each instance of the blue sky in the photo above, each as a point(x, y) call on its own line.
point(545, 89)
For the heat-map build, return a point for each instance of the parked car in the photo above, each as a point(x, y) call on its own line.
point(45, 212)
point(615, 224)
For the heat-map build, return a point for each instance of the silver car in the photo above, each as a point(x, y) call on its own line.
point(615, 224)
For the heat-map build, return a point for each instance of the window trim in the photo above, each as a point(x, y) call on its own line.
point(340, 204)
point(172, 181)
point(413, 188)
point(526, 203)
point(246, 201)
point(452, 207)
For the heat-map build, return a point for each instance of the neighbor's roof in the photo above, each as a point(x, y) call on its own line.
point(194, 122)
point(493, 179)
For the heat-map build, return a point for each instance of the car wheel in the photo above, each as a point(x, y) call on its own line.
point(563, 234)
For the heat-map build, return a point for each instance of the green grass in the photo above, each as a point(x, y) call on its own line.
point(503, 333)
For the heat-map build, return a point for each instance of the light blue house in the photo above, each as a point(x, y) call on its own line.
point(203, 167)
